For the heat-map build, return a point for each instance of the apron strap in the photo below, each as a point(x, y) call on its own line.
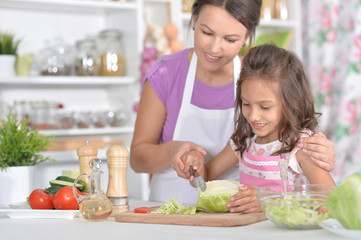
point(236, 73)
point(188, 88)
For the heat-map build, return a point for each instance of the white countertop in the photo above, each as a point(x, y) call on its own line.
point(78, 228)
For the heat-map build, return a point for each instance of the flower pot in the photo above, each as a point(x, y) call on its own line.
point(16, 184)
point(7, 65)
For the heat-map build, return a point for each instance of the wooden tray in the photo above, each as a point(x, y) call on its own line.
point(198, 219)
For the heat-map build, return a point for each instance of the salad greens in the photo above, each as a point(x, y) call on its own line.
point(344, 203)
point(295, 213)
point(175, 207)
point(217, 195)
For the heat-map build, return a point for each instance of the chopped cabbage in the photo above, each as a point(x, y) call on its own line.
point(344, 203)
point(295, 213)
point(217, 195)
point(175, 207)
point(214, 199)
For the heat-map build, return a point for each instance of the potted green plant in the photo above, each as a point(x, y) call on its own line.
point(8, 50)
point(20, 150)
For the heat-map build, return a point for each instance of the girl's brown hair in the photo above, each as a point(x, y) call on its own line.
point(246, 12)
point(269, 64)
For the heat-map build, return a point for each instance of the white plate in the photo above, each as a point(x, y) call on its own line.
point(33, 213)
point(336, 227)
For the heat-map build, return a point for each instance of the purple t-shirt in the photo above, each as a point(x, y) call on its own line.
point(167, 78)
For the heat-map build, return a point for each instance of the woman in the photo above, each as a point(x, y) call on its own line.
point(187, 103)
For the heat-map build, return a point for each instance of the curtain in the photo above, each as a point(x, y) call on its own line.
point(332, 55)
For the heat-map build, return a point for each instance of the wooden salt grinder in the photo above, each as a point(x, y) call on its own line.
point(86, 153)
point(117, 190)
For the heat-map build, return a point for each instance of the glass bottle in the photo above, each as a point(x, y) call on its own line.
point(95, 206)
point(86, 63)
point(111, 51)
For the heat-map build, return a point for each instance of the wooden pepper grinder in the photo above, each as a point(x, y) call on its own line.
point(86, 153)
point(117, 191)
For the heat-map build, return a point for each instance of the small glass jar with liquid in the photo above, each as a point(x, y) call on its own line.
point(112, 62)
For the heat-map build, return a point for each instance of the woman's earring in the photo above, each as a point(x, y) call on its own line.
point(193, 28)
point(244, 44)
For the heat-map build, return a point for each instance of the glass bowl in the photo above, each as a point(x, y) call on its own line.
point(302, 207)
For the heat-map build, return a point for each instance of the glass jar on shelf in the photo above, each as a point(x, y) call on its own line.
point(67, 120)
point(40, 115)
point(267, 10)
point(281, 9)
point(98, 119)
point(45, 114)
point(112, 62)
point(56, 58)
point(82, 119)
point(86, 62)
point(187, 5)
point(117, 118)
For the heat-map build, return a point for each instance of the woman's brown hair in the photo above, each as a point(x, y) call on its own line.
point(246, 12)
point(270, 64)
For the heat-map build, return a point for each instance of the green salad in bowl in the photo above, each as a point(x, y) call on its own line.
point(302, 206)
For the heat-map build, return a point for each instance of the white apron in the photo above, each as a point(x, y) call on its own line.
point(208, 128)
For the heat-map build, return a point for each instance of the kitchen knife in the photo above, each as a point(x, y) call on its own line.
point(198, 179)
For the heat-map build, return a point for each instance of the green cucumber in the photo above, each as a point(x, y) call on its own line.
point(69, 179)
point(53, 189)
point(65, 184)
point(65, 178)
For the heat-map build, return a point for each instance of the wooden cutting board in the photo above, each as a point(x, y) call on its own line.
point(198, 219)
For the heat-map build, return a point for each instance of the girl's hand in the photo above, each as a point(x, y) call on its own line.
point(181, 153)
point(245, 201)
point(320, 149)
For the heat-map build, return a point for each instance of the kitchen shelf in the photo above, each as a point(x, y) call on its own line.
point(66, 81)
point(277, 23)
point(70, 5)
point(66, 156)
point(89, 131)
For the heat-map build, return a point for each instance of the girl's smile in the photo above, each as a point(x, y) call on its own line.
point(258, 126)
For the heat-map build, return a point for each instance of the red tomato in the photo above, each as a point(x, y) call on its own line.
point(323, 211)
point(81, 193)
point(38, 199)
point(142, 210)
point(64, 199)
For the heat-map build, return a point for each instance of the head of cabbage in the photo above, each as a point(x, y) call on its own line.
point(344, 203)
point(217, 195)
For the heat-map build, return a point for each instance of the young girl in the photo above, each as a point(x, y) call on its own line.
point(274, 110)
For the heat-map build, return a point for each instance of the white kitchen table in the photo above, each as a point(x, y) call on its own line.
point(79, 228)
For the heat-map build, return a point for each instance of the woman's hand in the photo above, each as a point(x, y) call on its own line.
point(245, 201)
point(182, 156)
point(195, 160)
point(320, 149)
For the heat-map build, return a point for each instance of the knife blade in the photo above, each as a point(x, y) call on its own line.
point(198, 179)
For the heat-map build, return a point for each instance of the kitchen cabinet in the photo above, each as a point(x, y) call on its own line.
point(35, 21)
